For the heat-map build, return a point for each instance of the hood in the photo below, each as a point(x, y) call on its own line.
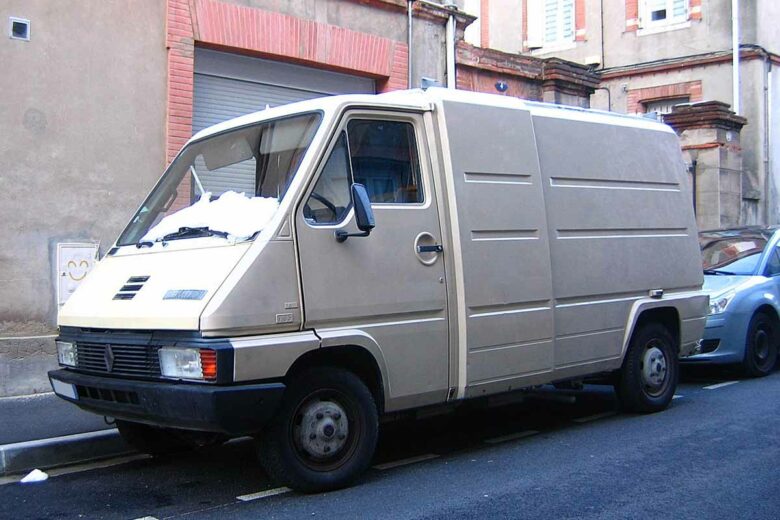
point(715, 284)
point(166, 289)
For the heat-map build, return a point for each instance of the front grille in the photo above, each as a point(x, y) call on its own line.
point(104, 394)
point(125, 360)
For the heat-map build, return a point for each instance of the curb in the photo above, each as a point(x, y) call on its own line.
point(59, 451)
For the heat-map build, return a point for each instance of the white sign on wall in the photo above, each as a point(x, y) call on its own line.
point(74, 262)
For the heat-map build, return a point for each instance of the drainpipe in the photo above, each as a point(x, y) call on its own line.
point(409, 41)
point(735, 55)
point(768, 163)
point(451, 44)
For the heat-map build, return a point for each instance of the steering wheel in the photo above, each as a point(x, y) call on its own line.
point(325, 202)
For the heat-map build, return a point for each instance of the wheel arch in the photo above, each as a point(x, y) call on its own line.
point(355, 358)
point(769, 310)
point(654, 312)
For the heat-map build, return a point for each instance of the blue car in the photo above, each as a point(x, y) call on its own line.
point(742, 277)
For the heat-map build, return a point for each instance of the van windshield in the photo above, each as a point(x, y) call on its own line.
point(228, 185)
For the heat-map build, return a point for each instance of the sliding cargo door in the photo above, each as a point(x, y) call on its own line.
point(503, 269)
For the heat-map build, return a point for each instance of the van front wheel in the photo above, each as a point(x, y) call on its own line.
point(324, 435)
point(648, 378)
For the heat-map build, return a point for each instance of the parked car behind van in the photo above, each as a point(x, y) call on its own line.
point(300, 272)
point(742, 277)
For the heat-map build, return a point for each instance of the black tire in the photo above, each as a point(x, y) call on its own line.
point(760, 346)
point(152, 440)
point(336, 405)
point(648, 378)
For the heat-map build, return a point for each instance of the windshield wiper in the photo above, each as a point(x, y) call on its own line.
point(714, 271)
point(192, 232)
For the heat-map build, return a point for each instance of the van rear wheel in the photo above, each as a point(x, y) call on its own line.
point(648, 378)
point(324, 434)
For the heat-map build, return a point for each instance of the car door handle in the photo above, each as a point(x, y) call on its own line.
point(436, 248)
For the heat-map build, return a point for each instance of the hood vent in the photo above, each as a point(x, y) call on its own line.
point(131, 288)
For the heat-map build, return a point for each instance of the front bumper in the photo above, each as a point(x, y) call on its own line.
point(728, 331)
point(234, 410)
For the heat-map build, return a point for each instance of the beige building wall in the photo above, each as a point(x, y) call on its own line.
point(81, 141)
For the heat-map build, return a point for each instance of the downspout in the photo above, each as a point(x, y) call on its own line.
point(735, 55)
point(409, 42)
point(450, 43)
point(601, 16)
point(768, 163)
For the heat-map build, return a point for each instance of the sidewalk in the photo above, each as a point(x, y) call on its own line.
point(42, 430)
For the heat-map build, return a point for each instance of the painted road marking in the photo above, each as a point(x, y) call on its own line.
point(511, 437)
point(720, 385)
point(406, 462)
point(78, 468)
point(264, 494)
point(677, 396)
point(595, 417)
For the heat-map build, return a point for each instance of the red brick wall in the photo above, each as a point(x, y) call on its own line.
point(524, 11)
point(180, 43)
point(484, 23)
point(579, 21)
point(632, 15)
point(268, 34)
point(477, 80)
point(642, 95)
point(695, 10)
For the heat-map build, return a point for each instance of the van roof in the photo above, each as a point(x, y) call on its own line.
point(418, 99)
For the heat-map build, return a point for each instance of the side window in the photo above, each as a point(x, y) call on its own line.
point(385, 160)
point(773, 264)
point(330, 200)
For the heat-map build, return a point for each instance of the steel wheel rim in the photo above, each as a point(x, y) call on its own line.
point(325, 430)
point(654, 369)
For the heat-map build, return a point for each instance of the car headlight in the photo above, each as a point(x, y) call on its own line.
point(66, 353)
point(188, 363)
point(719, 303)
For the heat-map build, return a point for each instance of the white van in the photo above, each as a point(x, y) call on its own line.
point(299, 272)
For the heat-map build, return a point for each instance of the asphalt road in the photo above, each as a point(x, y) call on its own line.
point(713, 454)
point(42, 416)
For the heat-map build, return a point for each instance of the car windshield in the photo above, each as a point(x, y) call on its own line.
point(228, 185)
point(736, 254)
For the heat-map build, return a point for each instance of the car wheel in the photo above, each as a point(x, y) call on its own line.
point(324, 434)
point(760, 346)
point(152, 440)
point(648, 377)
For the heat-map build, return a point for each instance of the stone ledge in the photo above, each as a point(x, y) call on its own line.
point(706, 114)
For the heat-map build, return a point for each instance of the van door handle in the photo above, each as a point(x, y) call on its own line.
point(430, 249)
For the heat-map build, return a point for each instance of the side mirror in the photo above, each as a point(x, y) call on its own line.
point(364, 215)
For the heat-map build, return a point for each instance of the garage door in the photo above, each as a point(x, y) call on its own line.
point(229, 85)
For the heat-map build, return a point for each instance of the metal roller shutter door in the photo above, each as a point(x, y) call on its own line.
point(229, 85)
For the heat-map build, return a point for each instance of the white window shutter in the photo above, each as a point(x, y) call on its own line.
point(679, 9)
point(567, 20)
point(535, 24)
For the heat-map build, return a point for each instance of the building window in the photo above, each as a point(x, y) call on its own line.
point(655, 13)
point(664, 106)
point(550, 23)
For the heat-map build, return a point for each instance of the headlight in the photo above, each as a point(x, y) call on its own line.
point(719, 303)
point(188, 363)
point(66, 353)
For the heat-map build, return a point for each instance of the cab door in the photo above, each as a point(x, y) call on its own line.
point(386, 291)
